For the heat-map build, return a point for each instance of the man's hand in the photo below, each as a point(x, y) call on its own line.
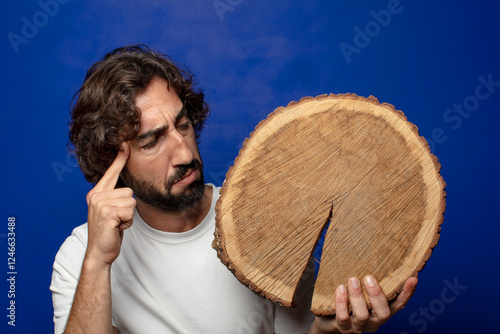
point(111, 211)
point(362, 320)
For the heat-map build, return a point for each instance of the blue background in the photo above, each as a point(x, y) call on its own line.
point(250, 57)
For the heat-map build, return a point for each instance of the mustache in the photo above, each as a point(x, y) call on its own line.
point(183, 170)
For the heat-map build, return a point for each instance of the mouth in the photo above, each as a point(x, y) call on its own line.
point(189, 177)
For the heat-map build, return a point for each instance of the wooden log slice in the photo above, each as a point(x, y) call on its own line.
point(346, 158)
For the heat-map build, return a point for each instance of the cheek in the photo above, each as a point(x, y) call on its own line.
point(149, 166)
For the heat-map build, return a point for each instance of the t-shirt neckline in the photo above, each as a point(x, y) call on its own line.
point(179, 237)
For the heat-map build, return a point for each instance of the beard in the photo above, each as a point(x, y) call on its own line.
point(165, 200)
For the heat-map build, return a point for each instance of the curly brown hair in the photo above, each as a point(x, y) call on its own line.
point(104, 114)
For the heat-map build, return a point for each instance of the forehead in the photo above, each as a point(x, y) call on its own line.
point(159, 104)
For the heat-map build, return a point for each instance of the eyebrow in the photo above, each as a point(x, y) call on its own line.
point(157, 131)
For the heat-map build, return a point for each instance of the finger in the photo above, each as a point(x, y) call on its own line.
point(101, 198)
point(342, 308)
point(102, 206)
point(106, 207)
point(126, 216)
point(113, 217)
point(358, 303)
point(380, 307)
point(125, 225)
point(110, 177)
point(405, 295)
point(110, 204)
point(98, 199)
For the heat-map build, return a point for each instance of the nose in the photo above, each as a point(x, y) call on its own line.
point(181, 152)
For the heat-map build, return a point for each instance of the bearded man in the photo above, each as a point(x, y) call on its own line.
point(143, 262)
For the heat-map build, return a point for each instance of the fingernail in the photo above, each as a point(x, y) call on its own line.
point(342, 288)
point(370, 281)
point(122, 148)
point(414, 285)
point(354, 282)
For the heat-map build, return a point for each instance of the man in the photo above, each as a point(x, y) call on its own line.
point(143, 263)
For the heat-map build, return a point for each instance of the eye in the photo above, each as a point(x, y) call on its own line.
point(151, 144)
point(184, 124)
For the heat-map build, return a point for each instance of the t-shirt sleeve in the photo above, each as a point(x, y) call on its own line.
point(65, 275)
point(297, 319)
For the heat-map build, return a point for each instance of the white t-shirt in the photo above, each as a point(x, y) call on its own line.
point(166, 282)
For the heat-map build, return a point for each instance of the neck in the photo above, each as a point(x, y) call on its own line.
point(176, 221)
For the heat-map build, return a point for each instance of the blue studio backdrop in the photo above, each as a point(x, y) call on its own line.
point(437, 61)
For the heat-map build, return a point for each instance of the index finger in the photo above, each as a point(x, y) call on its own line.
point(110, 177)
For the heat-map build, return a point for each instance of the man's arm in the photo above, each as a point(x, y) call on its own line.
point(361, 319)
point(91, 310)
point(110, 212)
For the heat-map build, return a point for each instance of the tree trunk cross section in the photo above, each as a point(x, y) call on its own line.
point(346, 158)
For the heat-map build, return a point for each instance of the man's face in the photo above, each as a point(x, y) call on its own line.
point(164, 168)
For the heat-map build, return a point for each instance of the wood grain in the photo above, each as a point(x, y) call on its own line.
point(346, 158)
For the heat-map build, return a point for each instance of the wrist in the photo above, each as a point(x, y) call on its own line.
point(91, 264)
